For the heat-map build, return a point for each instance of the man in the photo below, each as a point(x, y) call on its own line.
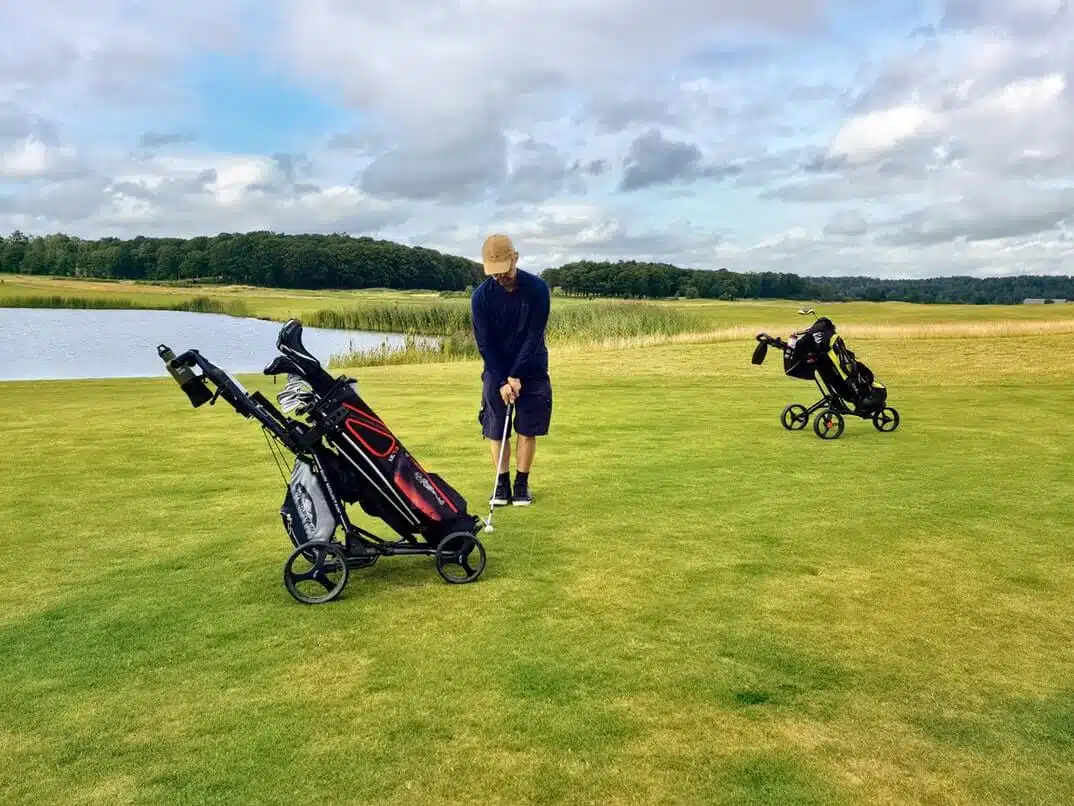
point(509, 312)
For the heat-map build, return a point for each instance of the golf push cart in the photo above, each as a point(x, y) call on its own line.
point(847, 386)
point(343, 454)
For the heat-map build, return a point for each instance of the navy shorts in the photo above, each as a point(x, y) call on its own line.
point(533, 409)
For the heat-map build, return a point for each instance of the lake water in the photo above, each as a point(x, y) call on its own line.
point(54, 343)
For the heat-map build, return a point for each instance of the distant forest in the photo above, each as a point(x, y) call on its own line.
point(255, 258)
point(345, 262)
point(651, 280)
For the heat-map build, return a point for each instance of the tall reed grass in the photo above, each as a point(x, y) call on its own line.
point(60, 301)
point(193, 305)
point(415, 350)
point(591, 331)
point(427, 320)
point(601, 319)
point(577, 325)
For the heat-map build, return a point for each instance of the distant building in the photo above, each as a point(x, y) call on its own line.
point(1029, 301)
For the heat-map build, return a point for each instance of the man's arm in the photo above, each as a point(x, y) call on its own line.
point(535, 330)
point(488, 350)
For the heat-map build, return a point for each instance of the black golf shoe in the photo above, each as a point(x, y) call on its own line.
point(502, 496)
point(521, 496)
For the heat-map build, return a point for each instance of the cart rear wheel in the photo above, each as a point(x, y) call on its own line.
point(316, 572)
point(460, 558)
point(887, 420)
point(795, 417)
point(829, 425)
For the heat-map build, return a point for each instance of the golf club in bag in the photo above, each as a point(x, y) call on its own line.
point(343, 454)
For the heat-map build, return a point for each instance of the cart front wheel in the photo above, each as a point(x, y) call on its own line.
point(795, 417)
point(460, 558)
point(829, 425)
point(316, 572)
point(887, 420)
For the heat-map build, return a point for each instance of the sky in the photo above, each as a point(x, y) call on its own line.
point(887, 138)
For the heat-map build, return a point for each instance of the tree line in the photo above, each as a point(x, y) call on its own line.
point(638, 280)
point(254, 258)
point(341, 261)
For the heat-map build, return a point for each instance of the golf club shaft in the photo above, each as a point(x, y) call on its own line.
point(499, 461)
point(503, 437)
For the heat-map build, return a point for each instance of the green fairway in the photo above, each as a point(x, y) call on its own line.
point(700, 607)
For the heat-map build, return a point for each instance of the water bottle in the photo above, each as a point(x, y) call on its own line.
point(190, 383)
point(182, 375)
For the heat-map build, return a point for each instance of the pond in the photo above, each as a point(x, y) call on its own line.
point(55, 343)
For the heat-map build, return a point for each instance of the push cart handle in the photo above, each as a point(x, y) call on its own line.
point(764, 338)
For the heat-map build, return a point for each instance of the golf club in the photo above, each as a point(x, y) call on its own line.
point(499, 462)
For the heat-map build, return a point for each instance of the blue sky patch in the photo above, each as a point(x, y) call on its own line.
point(245, 108)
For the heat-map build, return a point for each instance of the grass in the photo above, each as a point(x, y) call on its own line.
point(570, 326)
point(601, 319)
point(264, 303)
point(282, 304)
point(199, 304)
point(701, 608)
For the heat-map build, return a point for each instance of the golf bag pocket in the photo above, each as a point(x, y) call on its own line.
point(425, 492)
point(449, 493)
point(306, 512)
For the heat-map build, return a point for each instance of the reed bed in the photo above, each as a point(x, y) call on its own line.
point(61, 301)
point(461, 347)
point(415, 350)
point(579, 326)
point(425, 320)
point(441, 319)
point(200, 304)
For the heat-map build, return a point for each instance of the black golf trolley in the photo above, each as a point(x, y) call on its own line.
point(343, 454)
point(847, 386)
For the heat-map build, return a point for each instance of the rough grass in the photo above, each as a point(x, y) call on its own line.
point(903, 332)
point(578, 326)
point(460, 346)
point(282, 304)
point(596, 319)
point(701, 608)
point(199, 304)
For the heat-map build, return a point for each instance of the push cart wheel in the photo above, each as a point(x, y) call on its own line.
point(829, 425)
point(316, 572)
point(455, 558)
point(887, 420)
point(795, 417)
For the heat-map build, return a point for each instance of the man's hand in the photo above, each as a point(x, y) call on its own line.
point(508, 393)
point(515, 384)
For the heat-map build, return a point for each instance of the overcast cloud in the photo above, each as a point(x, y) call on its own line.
point(892, 138)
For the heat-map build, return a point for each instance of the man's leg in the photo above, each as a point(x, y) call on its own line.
point(526, 446)
point(493, 413)
point(534, 413)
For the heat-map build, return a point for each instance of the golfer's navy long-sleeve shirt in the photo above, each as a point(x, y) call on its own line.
point(509, 327)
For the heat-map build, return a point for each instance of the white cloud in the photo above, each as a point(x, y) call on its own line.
point(31, 158)
point(739, 133)
point(474, 64)
point(877, 133)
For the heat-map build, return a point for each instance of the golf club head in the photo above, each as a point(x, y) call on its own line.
point(295, 393)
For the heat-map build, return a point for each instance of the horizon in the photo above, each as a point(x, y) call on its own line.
point(541, 270)
point(921, 140)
